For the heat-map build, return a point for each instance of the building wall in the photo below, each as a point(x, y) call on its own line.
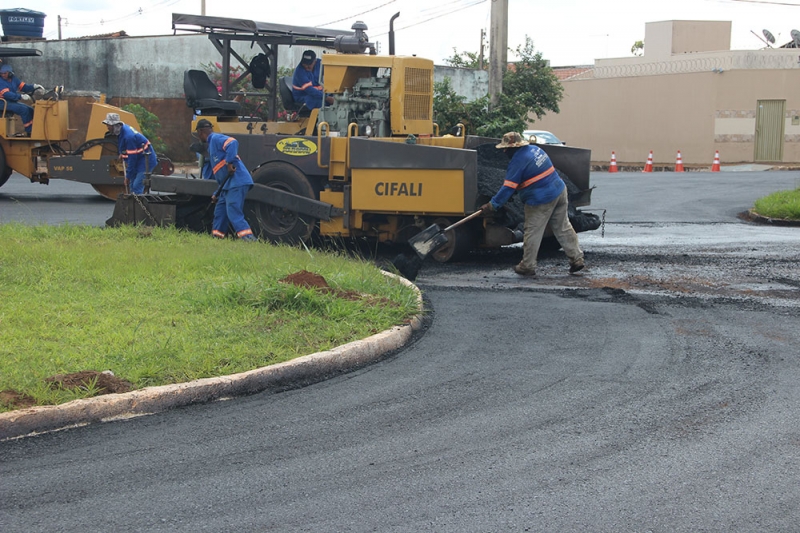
point(695, 103)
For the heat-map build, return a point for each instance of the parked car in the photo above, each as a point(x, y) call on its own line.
point(542, 137)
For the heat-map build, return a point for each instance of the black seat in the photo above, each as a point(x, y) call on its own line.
point(202, 94)
point(285, 89)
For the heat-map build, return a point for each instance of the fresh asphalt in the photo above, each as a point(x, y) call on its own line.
point(521, 407)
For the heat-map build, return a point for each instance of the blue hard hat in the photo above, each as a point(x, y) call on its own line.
point(6, 68)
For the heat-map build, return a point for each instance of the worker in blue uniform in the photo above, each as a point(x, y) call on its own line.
point(306, 86)
point(531, 173)
point(15, 95)
point(234, 180)
point(135, 150)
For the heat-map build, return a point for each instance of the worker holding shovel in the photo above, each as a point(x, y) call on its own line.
point(531, 174)
point(135, 150)
point(234, 182)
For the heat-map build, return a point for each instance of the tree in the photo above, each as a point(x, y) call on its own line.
point(465, 60)
point(638, 48)
point(529, 87)
point(149, 124)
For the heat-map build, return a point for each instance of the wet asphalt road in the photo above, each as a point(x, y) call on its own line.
point(657, 392)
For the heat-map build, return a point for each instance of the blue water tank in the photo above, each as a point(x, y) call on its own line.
point(22, 22)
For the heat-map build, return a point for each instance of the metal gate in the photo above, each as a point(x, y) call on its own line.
point(770, 126)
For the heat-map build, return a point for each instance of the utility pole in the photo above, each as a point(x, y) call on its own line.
point(203, 7)
point(59, 27)
point(480, 55)
point(498, 49)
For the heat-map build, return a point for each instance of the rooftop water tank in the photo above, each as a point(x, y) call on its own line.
point(22, 22)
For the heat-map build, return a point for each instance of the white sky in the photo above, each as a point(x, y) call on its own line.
point(567, 32)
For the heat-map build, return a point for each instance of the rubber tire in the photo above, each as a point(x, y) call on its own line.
point(5, 172)
point(275, 224)
point(460, 241)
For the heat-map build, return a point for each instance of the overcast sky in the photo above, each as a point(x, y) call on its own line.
point(567, 32)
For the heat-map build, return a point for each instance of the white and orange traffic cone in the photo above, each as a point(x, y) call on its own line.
point(679, 163)
point(715, 166)
point(649, 166)
point(613, 166)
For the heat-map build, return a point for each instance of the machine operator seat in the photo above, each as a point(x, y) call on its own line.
point(285, 88)
point(202, 94)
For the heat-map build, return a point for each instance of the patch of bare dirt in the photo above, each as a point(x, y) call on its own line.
point(310, 280)
point(104, 382)
point(16, 400)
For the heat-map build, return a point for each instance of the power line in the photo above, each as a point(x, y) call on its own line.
point(356, 15)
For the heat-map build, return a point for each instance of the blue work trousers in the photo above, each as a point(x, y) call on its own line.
point(230, 210)
point(137, 183)
point(25, 112)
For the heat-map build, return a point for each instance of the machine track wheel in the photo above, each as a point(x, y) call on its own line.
point(5, 171)
point(273, 223)
point(459, 242)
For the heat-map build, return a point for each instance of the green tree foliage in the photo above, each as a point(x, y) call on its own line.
point(149, 125)
point(638, 48)
point(465, 60)
point(529, 88)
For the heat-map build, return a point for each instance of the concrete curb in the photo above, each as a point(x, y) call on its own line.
point(752, 216)
point(301, 371)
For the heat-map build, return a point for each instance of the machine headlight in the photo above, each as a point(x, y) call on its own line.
point(366, 130)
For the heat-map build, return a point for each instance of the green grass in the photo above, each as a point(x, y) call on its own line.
point(165, 306)
point(783, 204)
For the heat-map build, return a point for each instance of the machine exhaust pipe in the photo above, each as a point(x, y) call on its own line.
point(391, 33)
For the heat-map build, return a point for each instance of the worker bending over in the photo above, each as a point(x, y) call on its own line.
point(138, 156)
point(234, 180)
point(531, 173)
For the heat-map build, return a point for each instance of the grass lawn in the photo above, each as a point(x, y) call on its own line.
point(158, 306)
point(783, 204)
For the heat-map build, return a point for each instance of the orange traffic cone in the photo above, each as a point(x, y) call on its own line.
point(613, 166)
point(649, 166)
point(715, 166)
point(679, 163)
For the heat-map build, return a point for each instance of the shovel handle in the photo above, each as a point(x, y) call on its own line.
point(462, 221)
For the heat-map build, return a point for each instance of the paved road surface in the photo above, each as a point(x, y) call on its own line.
point(555, 404)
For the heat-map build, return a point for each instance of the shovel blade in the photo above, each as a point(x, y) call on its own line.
point(427, 241)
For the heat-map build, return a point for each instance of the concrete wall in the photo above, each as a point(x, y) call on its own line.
point(695, 103)
point(149, 71)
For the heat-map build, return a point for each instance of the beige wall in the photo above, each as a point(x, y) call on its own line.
point(696, 113)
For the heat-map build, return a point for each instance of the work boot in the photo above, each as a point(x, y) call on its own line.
point(522, 271)
point(250, 238)
point(576, 267)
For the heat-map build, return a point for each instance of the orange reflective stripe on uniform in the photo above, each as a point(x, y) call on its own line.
point(303, 87)
point(21, 85)
point(219, 166)
point(227, 142)
point(244, 232)
point(4, 91)
point(510, 184)
point(28, 124)
point(537, 177)
point(217, 233)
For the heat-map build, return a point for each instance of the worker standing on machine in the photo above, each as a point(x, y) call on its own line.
point(14, 96)
point(234, 182)
point(531, 173)
point(306, 87)
point(134, 148)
